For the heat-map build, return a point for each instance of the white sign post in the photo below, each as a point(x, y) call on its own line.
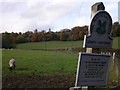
point(92, 69)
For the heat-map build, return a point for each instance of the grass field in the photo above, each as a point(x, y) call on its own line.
point(36, 62)
point(116, 42)
point(60, 44)
point(50, 45)
point(32, 62)
point(39, 62)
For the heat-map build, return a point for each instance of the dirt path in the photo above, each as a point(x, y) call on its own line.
point(49, 81)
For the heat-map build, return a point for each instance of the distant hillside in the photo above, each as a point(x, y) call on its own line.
point(60, 44)
point(50, 45)
point(116, 42)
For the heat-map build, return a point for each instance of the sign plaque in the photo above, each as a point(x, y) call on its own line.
point(92, 69)
point(100, 30)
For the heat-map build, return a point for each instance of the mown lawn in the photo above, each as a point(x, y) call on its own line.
point(35, 62)
point(50, 45)
point(61, 44)
point(116, 43)
point(39, 62)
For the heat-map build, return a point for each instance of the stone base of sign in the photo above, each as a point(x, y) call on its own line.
point(79, 88)
point(75, 88)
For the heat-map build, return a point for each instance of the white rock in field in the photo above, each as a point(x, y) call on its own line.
point(12, 64)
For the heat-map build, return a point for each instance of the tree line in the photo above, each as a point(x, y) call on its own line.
point(9, 40)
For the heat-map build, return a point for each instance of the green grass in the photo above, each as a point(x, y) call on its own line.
point(32, 62)
point(39, 62)
point(35, 62)
point(116, 43)
point(60, 44)
point(50, 45)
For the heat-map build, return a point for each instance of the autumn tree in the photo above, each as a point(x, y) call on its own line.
point(34, 36)
point(63, 36)
point(77, 33)
point(7, 41)
point(116, 29)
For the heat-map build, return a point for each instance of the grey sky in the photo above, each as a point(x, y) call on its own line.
point(29, 15)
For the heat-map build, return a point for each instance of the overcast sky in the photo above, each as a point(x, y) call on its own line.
point(28, 15)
